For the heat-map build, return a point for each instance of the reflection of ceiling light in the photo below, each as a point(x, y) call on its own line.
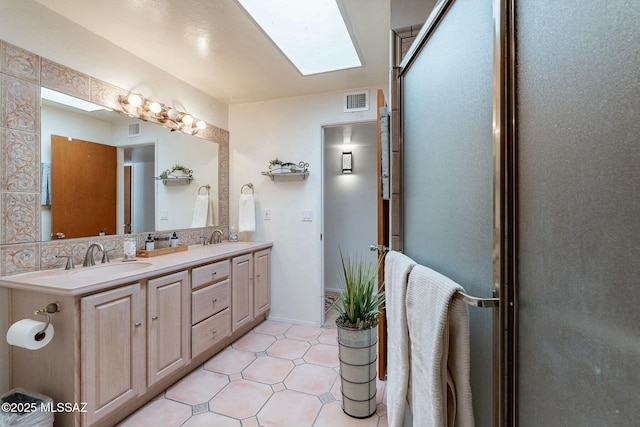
point(312, 34)
point(71, 101)
point(135, 105)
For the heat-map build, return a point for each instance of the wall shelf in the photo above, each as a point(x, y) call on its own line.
point(272, 175)
point(175, 179)
point(288, 169)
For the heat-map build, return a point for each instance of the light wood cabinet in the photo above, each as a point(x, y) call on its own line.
point(251, 287)
point(262, 282)
point(241, 291)
point(118, 348)
point(112, 350)
point(167, 325)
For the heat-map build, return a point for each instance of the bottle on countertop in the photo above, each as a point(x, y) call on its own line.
point(233, 234)
point(174, 240)
point(149, 244)
point(129, 248)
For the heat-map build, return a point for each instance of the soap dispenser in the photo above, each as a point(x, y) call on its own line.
point(149, 244)
point(174, 240)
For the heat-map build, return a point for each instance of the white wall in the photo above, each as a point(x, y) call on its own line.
point(290, 129)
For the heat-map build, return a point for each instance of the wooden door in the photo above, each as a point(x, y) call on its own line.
point(241, 290)
point(83, 188)
point(168, 324)
point(383, 225)
point(262, 282)
point(112, 350)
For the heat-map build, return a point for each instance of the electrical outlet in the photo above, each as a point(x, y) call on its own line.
point(267, 214)
point(307, 215)
point(164, 215)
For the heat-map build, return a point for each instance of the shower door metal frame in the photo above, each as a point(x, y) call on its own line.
point(504, 195)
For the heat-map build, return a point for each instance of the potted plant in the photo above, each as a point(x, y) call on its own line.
point(358, 334)
point(275, 165)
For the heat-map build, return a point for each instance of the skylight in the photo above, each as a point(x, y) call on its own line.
point(71, 101)
point(312, 34)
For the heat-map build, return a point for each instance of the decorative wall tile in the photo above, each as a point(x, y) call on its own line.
point(63, 79)
point(20, 217)
point(105, 94)
point(17, 259)
point(20, 160)
point(20, 104)
point(76, 248)
point(19, 62)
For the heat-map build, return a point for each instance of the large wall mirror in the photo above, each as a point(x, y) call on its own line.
point(81, 194)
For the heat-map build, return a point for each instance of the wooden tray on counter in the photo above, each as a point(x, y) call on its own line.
point(164, 251)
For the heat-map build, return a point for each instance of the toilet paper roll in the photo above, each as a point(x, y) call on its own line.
point(25, 333)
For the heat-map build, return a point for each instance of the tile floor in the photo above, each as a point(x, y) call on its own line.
point(278, 374)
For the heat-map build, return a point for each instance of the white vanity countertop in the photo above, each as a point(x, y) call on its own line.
point(81, 281)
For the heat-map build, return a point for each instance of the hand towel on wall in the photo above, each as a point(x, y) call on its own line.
point(439, 334)
point(396, 273)
point(247, 213)
point(200, 211)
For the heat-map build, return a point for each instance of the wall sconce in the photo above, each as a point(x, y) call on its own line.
point(135, 105)
point(347, 164)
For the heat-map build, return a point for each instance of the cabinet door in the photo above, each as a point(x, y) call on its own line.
point(241, 290)
point(112, 350)
point(262, 282)
point(168, 324)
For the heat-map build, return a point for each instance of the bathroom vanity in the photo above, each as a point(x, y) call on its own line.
point(128, 330)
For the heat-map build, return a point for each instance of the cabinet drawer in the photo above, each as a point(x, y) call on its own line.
point(209, 274)
point(210, 331)
point(209, 300)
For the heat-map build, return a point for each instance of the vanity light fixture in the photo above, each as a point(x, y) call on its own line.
point(135, 105)
point(347, 165)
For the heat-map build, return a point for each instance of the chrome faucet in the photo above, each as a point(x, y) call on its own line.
point(216, 236)
point(88, 258)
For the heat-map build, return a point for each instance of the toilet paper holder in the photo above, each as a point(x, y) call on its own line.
point(51, 308)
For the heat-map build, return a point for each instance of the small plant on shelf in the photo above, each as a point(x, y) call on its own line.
point(177, 167)
point(275, 163)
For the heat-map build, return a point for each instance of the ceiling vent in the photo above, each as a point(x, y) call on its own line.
point(134, 130)
point(356, 101)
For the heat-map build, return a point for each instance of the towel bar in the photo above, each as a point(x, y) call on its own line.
point(250, 185)
point(206, 186)
point(477, 302)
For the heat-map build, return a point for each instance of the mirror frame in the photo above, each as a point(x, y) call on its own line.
point(22, 73)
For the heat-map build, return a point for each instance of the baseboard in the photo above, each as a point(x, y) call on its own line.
point(333, 290)
point(294, 321)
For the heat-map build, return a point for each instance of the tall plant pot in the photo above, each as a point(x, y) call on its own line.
point(358, 354)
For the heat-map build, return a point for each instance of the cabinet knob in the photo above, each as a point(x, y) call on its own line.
point(214, 300)
point(137, 324)
point(154, 318)
point(214, 273)
point(214, 331)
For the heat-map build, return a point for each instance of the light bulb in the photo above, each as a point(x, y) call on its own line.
point(134, 100)
point(155, 107)
point(187, 119)
point(173, 114)
point(201, 124)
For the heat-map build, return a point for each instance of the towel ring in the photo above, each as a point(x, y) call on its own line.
point(207, 186)
point(250, 185)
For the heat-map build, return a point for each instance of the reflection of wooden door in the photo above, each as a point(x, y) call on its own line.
point(383, 237)
point(127, 199)
point(83, 187)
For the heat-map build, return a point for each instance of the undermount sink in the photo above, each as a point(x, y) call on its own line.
point(100, 270)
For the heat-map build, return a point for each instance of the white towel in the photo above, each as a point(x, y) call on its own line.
point(396, 273)
point(200, 211)
point(247, 213)
point(439, 334)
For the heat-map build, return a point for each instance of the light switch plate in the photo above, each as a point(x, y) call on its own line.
point(267, 214)
point(307, 215)
point(164, 215)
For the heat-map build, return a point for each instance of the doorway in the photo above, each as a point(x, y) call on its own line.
point(349, 202)
point(139, 193)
